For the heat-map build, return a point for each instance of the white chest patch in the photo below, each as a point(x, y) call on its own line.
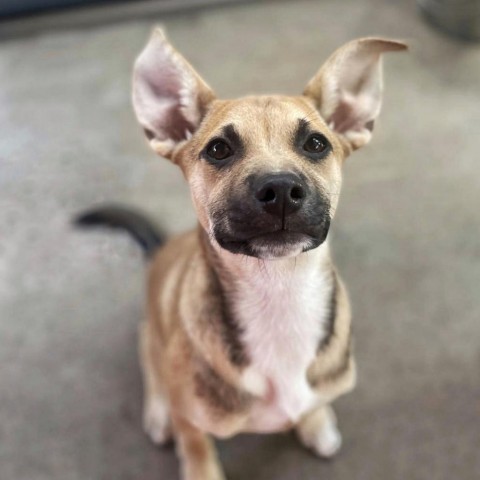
point(283, 309)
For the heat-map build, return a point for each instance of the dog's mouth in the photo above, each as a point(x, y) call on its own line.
point(249, 230)
point(273, 244)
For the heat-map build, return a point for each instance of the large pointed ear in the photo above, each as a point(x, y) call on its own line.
point(347, 90)
point(169, 97)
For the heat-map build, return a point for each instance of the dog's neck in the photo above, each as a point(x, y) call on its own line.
point(290, 294)
point(282, 309)
point(235, 270)
point(285, 272)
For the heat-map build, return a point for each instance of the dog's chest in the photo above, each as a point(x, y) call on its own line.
point(283, 320)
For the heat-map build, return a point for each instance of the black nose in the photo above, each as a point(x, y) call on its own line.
point(280, 194)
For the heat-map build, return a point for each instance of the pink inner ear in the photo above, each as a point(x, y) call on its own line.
point(162, 88)
point(343, 117)
point(357, 93)
point(173, 122)
point(348, 116)
point(180, 126)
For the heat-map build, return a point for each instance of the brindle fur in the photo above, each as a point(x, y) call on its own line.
point(196, 366)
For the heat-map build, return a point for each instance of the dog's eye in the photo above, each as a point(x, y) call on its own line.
point(219, 150)
point(316, 143)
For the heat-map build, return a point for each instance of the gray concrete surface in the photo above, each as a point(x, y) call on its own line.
point(406, 240)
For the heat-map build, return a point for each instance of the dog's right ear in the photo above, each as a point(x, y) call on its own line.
point(169, 97)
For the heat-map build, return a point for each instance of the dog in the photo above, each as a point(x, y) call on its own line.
point(248, 321)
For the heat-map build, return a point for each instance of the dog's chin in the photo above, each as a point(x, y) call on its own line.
point(274, 245)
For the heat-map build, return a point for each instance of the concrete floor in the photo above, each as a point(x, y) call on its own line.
point(406, 240)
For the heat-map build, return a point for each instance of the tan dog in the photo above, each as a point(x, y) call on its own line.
point(248, 324)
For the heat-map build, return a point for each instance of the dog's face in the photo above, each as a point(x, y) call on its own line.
point(264, 172)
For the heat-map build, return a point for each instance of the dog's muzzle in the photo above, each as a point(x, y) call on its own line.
point(279, 216)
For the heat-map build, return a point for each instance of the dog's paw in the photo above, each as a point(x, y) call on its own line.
point(327, 442)
point(320, 433)
point(156, 422)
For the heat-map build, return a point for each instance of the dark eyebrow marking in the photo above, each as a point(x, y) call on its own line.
point(303, 124)
point(302, 131)
point(231, 134)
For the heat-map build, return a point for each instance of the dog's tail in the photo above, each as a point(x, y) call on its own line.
point(139, 226)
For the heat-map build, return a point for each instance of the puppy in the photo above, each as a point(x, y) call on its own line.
point(248, 321)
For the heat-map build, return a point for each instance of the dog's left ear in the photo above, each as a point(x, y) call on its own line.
point(347, 90)
point(169, 96)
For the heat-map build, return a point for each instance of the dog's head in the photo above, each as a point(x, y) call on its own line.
point(264, 171)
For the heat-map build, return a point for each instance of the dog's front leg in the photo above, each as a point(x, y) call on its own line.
point(196, 451)
point(318, 431)
point(156, 411)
